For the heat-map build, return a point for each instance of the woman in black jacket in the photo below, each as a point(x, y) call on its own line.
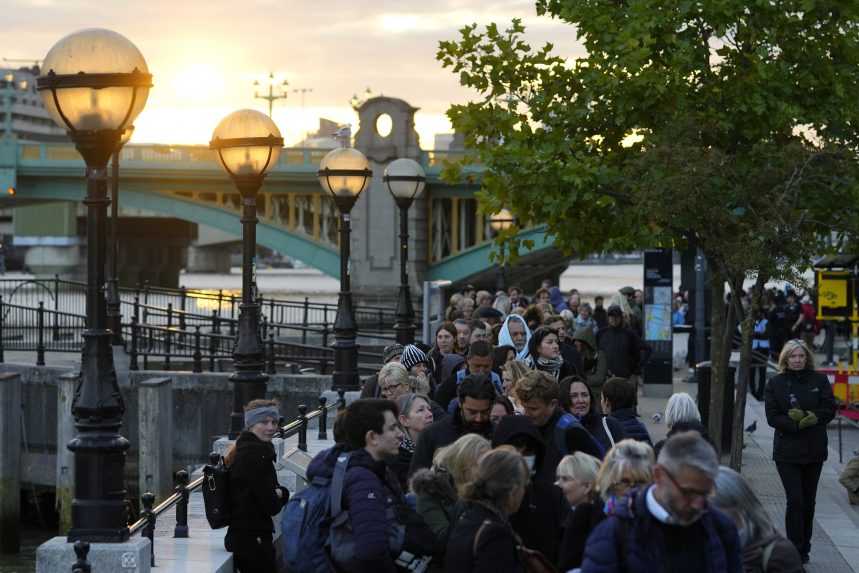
point(799, 403)
point(482, 540)
point(255, 495)
point(577, 398)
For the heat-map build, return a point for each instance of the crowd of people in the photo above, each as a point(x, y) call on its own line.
point(513, 444)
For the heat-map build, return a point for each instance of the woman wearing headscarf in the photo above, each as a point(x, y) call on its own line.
point(514, 332)
point(255, 495)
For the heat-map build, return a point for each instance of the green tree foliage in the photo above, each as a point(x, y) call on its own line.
point(728, 124)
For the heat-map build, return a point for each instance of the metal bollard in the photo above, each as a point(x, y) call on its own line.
point(198, 355)
point(40, 334)
point(135, 333)
point(81, 565)
point(302, 428)
point(181, 529)
point(341, 399)
point(323, 419)
point(269, 355)
point(148, 500)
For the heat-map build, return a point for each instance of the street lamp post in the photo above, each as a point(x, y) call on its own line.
point(501, 221)
point(344, 173)
point(8, 91)
point(406, 180)
point(247, 144)
point(114, 304)
point(96, 84)
point(271, 98)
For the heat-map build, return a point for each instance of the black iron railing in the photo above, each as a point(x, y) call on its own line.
point(39, 329)
point(145, 525)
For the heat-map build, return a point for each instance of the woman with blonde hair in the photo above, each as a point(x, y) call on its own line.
point(482, 540)
point(511, 372)
point(799, 404)
point(627, 466)
point(436, 488)
point(577, 476)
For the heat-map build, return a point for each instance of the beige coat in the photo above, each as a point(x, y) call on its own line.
point(849, 478)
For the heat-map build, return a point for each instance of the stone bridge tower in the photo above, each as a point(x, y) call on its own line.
point(375, 218)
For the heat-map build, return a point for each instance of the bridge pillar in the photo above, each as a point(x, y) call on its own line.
point(375, 217)
point(50, 231)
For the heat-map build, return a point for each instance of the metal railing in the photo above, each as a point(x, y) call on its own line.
point(145, 525)
point(39, 329)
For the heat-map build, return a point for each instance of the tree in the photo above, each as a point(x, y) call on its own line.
point(729, 125)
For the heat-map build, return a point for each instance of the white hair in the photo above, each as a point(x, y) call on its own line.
point(681, 407)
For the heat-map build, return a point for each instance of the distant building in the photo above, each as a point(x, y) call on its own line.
point(21, 107)
point(324, 138)
point(448, 141)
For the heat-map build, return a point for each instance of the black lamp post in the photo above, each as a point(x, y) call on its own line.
point(114, 304)
point(344, 173)
point(406, 180)
point(96, 84)
point(501, 221)
point(247, 143)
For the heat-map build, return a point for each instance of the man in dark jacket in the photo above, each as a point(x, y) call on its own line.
point(540, 519)
point(668, 526)
point(475, 395)
point(478, 361)
point(625, 351)
point(372, 436)
point(537, 393)
point(617, 401)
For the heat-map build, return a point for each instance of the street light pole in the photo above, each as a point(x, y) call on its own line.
point(344, 173)
point(271, 98)
point(114, 304)
point(405, 180)
point(501, 221)
point(85, 93)
point(247, 144)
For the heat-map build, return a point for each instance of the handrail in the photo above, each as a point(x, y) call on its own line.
point(145, 524)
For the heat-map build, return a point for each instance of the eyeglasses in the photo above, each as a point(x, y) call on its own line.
point(688, 493)
point(630, 484)
point(390, 388)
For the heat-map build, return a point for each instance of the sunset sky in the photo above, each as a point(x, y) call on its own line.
point(205, 56)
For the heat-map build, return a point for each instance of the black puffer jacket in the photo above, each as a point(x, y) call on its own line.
point(253, 500)
point(814, 394)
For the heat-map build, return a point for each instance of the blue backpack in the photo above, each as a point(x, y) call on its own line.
point(305, 523)
point(561, 426)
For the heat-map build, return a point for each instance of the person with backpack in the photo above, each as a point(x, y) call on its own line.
point(562, 432)
point(618, 402)
point(254, 493)
point(765, 550)
point(668, 526)
point(370, 527)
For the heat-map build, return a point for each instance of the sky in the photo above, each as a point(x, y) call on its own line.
point(205, 56)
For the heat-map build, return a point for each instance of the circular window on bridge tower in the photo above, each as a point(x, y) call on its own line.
point(384, 125)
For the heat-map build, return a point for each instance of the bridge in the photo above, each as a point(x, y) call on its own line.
point(450, 239)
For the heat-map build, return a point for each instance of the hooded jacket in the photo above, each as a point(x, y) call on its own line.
point(540, 519)
point(625, 351)
point(368, 487)
point(436, 498)
point(784, 558)
point(814, 394)
point(505, 339)
point(595, 370)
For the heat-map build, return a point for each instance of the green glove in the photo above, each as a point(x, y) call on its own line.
point(808, 421)
point(795, 414)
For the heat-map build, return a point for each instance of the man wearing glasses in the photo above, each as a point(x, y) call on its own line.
point(669, 525)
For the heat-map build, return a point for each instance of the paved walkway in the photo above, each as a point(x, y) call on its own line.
point(835, 542)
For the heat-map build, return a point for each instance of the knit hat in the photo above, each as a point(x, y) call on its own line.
point(412, 355)
point(614, 310)
point(391, 351)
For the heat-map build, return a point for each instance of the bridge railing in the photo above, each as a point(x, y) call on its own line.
point(145, 525)
point(39, 329)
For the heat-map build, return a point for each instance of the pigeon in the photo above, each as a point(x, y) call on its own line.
point(752, 427)
point(657, 417)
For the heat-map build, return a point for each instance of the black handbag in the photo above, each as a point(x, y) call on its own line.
point(216, 494)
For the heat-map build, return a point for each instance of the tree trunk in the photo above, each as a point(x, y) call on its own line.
point(748, 323)
point(718, 362)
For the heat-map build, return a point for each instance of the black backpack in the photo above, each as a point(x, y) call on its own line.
point(216, 493)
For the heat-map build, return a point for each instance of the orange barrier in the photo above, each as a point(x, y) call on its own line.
point(845, 386)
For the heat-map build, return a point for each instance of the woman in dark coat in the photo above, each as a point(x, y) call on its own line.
point(577, 398)
point(255, 496)
point(482, 540)
point(799, 403)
